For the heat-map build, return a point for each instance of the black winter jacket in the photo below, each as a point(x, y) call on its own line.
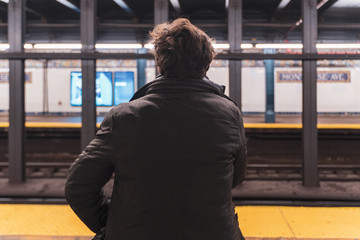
point(177, 149)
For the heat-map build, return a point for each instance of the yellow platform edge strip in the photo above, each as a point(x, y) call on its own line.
point(246, 125)
point(299, 125)
point(256, 222)
point(47, 125)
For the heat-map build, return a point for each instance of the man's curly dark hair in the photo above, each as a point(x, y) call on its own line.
point(182, 50)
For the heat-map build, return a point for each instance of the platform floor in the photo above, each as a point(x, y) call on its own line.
point(20, 221)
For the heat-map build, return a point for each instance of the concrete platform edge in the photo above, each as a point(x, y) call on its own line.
point(20, 237)
point(266, 190)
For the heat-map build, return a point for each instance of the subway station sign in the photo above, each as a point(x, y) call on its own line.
point(4, 77)
point(322, 76)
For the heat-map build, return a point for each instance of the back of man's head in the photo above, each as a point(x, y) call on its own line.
point(181, 50)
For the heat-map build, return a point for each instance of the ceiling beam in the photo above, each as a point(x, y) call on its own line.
point(283, 4)
point(161, 11)
point(326, 6)
point(36, 13)
point(28, 9)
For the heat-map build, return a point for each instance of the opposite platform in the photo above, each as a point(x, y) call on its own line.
point(250, 121)
point(19, 221)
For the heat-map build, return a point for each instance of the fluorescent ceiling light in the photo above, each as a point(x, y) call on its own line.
point(216, 46)
point(320, 4)
point(149, 46)
point(299, 45)
point(28, 46)
point(5, 46)
point(226, 4)
point(338, 45)
point(346, 4)
point(284, 3)
point(299, 22)
point(278, 45)
point(78, 46)
point(246, 45)
point(123, 5)
point(58, 46)
point(5, 1)
point(176, 5)
point(227, 46)
point(117, 46)
point(72, 46)
point(69, 5)
point(221, 45)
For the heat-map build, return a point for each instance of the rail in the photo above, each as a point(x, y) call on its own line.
point(263, 172)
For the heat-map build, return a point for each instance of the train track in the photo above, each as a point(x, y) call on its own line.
point(293, 172)
point(265, 172)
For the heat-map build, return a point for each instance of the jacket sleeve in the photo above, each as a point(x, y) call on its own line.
point(87, 176)
point(240, 158)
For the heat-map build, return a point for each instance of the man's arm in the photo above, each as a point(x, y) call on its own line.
point(87, 176)
point(240, 160)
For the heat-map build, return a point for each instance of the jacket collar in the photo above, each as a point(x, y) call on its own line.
point(162, 84)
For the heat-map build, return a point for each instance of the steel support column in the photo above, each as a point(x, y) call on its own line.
point(309, 117)
point(235, 38)
point(46, 88)
point(161, 11)
point(141, 73)
point(269, 76)
point(161, 15)
point(88, 68)
point(16, 33)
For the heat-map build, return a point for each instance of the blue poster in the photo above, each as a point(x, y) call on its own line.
point(124, 87)
point(104, 93)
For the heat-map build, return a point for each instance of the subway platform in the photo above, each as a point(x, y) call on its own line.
point(58, 222)
point(313, 220)
point(53, 219)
